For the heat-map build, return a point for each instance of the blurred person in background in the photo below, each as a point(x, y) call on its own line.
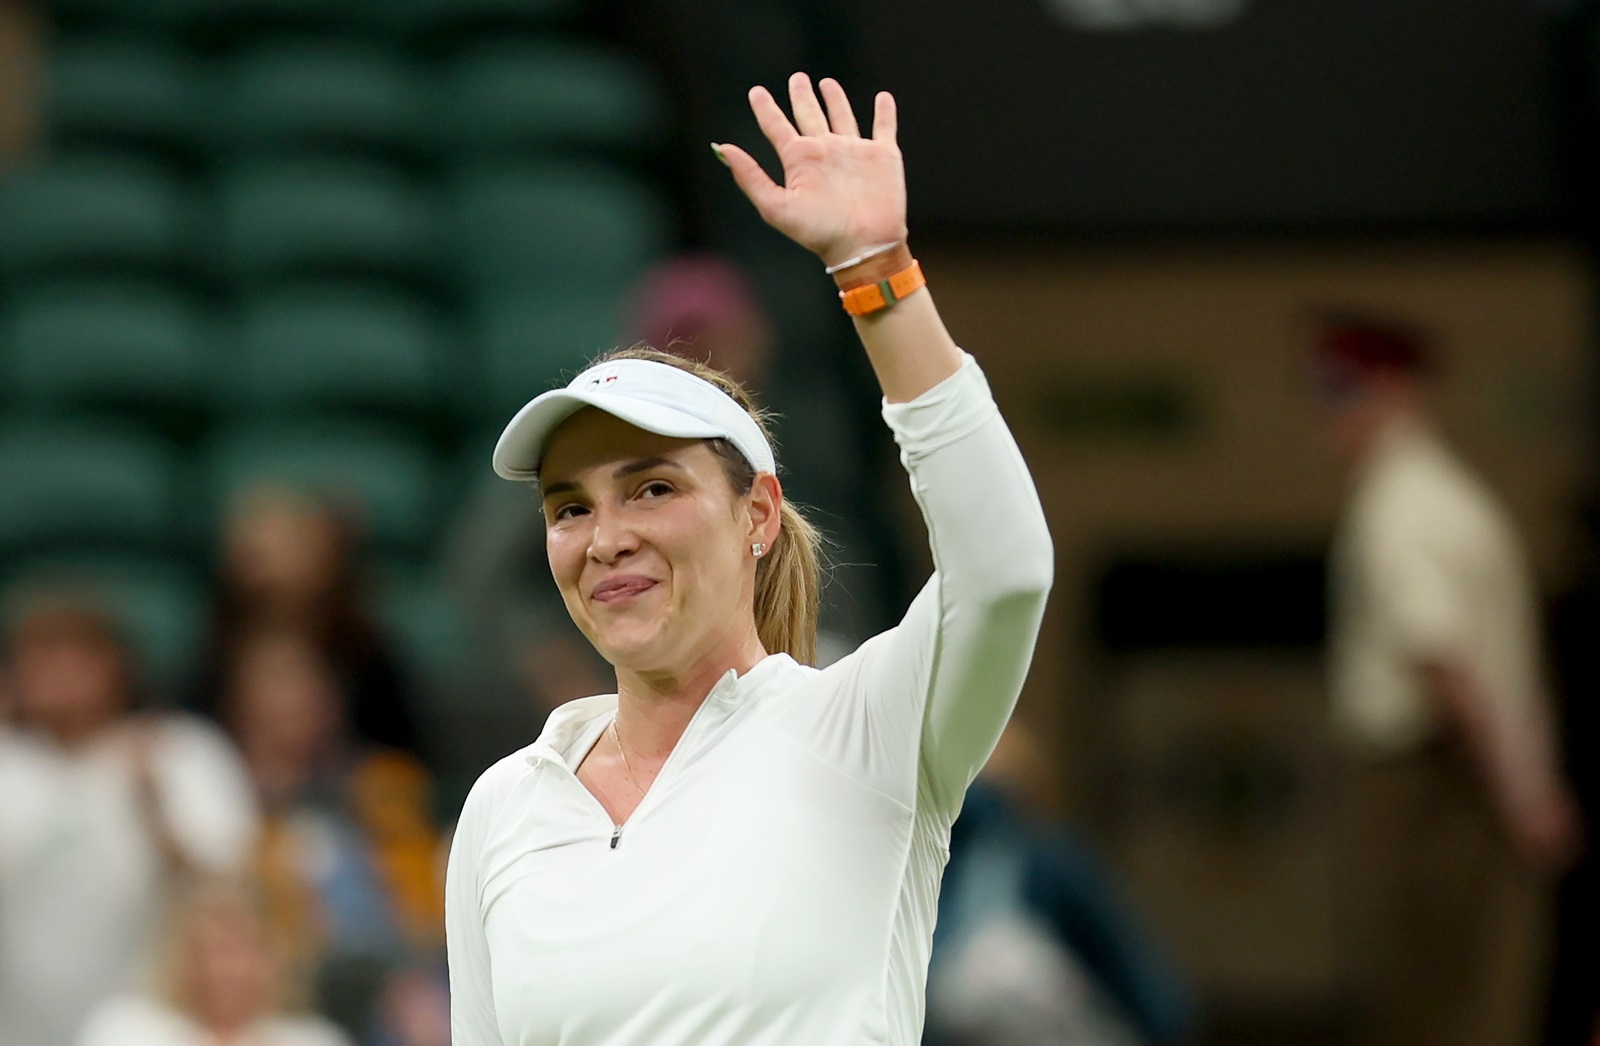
point(1458, 814)
point(1035, 945)
point(703, 307)
point(221, 986)
point(414, 1010)
point(350, 860)
point(103, 813)
point(289, 563)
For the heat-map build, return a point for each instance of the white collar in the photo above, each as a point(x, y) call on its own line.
point(573, 727)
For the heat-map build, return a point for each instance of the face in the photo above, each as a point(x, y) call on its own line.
point(227, 967)
point(1354, 411)
point(648, 543)
point(285, 709)
point(69, 685)
point(280, 546)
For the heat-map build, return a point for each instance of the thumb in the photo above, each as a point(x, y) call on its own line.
point(754, 182)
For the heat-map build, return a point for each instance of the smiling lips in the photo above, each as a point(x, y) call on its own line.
point(621, 587)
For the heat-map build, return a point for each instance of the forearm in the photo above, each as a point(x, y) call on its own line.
point(1513, 763)
point(908, 346)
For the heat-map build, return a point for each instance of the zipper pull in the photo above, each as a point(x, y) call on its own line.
point(616, 836)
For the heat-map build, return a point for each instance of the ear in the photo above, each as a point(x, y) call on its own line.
point(765, 507)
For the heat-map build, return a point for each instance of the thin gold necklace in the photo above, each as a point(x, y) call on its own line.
point(625, 764)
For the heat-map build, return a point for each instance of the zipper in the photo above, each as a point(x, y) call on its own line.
point(655, 786)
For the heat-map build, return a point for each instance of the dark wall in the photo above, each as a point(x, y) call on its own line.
point(1245, 113)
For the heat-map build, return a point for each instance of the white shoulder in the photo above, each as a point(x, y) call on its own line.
point(132, 1020)
point(496, 782)
point(305, 1031)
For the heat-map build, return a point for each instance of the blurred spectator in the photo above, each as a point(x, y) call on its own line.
point(221, 987)
point(703, 307)
point(289, 563)
point(102, 813)
point(350, 860)
point(1034, 945)
point(414, 1011)
point(1438, 698)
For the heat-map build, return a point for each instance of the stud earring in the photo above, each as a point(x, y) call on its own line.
point(758, 550)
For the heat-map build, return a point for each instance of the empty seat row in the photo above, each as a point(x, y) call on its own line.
point(492, 97)
point(73, 484)
point(156, 348)
point(416, 20)
point(492, 226)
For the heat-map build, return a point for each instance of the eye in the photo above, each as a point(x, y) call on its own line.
point(656, 488)
point(570, 510)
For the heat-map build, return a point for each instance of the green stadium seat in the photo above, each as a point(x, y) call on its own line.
point(526, 224)
point(537, 339)
point(331, 345)
point(435, 20)
point(320, 217)
point(387, 481)
point(159, 604)
point(120, 92)
point(121, 344)
point(208, 23)
point(74, 483)
point(505, 96)
point(89, 212)
point(425, 623)
point(121, 14)
point(332, 93)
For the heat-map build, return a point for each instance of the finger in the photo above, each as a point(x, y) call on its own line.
point(885, 121)
point(770, 118)
point(840, 117)
point(807, 110)
point(751, 179)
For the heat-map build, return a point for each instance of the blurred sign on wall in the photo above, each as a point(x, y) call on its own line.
point(1106, 115)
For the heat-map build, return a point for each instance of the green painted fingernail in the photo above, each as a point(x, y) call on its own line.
point(717, 149)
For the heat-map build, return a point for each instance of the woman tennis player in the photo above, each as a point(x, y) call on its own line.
point(736, 848)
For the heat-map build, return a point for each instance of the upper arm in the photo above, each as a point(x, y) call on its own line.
point(995, 564)
point(958, 659)
point(922, 705)
point(1420, 593)
point(207, 797)
point(472, 1012)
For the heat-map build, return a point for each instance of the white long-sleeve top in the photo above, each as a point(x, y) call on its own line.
point(778, 884)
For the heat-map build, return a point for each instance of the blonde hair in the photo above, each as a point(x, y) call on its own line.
point(788, 598)
point(199, 897)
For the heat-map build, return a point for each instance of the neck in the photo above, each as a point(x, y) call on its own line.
point(654, 707)
point(76, 732)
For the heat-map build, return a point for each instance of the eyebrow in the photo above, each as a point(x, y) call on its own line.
point(623, 472)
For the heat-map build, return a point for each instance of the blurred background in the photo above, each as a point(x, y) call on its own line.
point(273, 273)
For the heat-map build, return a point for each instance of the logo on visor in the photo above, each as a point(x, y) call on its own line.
point(609, 376)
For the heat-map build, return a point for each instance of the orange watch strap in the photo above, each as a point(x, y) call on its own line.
point(871, 297)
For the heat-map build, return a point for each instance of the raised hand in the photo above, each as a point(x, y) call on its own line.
point(842, 194)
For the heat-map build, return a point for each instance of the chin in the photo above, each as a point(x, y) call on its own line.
point(634, 650)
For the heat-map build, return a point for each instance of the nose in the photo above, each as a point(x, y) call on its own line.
point(611, 538)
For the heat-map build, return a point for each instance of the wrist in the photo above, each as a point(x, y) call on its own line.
point(875, 265)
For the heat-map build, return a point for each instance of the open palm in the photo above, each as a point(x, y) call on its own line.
point(841, 193)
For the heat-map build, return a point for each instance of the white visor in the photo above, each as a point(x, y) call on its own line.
point(656, 397)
